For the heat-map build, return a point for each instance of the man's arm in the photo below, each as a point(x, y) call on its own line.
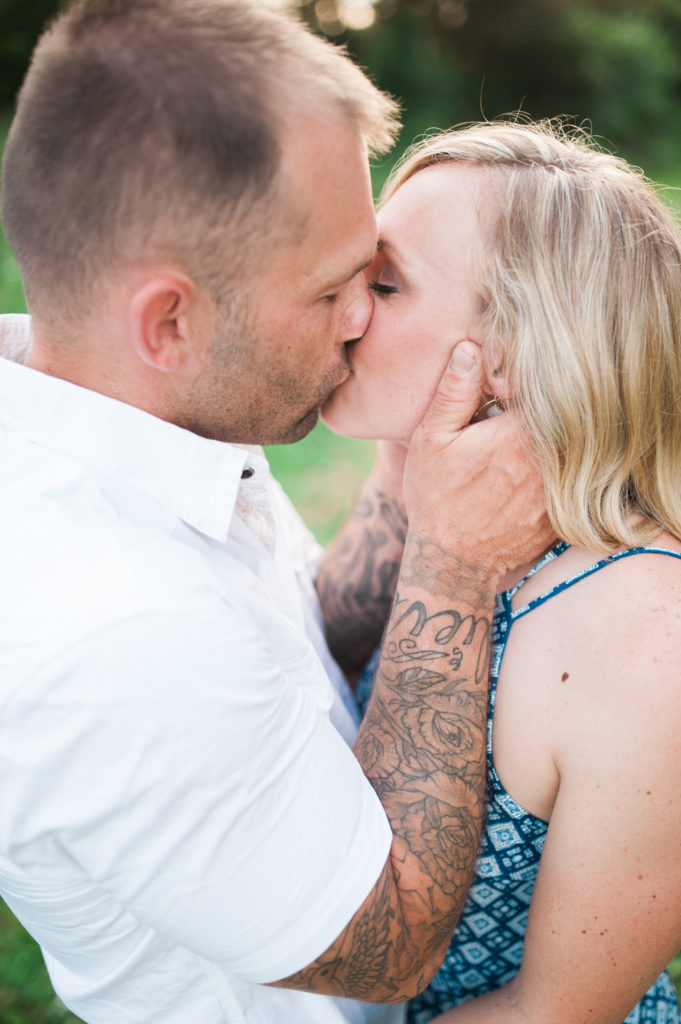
point(422, 746)
point(422, 741)
point(358, 570)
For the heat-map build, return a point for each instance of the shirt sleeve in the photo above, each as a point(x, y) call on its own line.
point(199, 782)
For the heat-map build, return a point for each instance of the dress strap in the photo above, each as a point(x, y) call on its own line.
point(548, 557)
point(518, 612)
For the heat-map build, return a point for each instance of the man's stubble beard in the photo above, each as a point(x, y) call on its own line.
point(241, 396)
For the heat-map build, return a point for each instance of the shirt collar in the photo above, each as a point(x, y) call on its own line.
point(196, 478)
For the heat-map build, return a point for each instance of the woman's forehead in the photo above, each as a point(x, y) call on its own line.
point(436, 210)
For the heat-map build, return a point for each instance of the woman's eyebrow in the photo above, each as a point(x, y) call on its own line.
point(411, 261)
point(389, 249)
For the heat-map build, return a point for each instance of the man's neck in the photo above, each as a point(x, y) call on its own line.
point(96, 364)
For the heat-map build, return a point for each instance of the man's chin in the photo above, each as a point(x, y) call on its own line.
point(297, 431)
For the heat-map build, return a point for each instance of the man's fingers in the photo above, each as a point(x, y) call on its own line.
point(458, 393)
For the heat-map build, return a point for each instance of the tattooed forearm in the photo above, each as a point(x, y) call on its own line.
point(450, 631)
point(361, 961)
point(421, 745)
point(445, 574)
point(357, 577)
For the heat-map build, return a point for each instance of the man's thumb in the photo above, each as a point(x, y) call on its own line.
point(458, 393)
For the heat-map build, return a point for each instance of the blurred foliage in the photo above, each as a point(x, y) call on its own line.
point(21, 22)
point(26, 995)
point(614, 64)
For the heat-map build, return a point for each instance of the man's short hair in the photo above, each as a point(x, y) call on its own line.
point(149, 128)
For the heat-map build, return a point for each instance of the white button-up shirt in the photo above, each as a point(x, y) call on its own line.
point(180, 821)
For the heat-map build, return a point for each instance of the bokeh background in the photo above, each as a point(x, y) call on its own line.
point(611, 65)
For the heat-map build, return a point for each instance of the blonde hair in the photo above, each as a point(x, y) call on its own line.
point(581, 292)
point(153, 127)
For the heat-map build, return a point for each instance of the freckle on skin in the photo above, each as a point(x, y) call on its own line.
point(565, 675)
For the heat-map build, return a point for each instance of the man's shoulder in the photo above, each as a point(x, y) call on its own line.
point(77, 559)
point(63, 520)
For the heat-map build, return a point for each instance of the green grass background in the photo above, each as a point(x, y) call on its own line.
point(321, 475)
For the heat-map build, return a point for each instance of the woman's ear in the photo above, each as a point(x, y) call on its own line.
point(496, 382)
point(159, 314)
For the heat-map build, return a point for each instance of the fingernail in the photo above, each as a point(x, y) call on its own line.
point(463, 358)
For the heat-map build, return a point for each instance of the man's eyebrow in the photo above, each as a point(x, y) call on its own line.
point(358, 270)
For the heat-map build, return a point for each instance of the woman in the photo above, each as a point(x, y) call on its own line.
point(564, 266)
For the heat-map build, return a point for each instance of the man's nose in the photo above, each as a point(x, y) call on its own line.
point(358, 314)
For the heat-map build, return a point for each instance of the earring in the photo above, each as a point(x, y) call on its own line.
point(493, 403)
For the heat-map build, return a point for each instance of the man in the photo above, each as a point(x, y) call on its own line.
point(184, 831)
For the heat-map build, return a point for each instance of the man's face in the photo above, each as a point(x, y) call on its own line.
point(307, 298)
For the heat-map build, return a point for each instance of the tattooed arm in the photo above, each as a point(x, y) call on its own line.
point(358, 571)
point(422, 741)
point(421, 745)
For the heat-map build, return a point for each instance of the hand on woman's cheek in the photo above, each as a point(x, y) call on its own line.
point(474, 490)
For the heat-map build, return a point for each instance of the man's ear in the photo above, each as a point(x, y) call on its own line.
point(160, 313)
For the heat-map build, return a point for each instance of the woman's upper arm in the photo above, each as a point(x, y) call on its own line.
point(605, 917)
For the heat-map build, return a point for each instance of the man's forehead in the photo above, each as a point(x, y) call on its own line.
point(324, 203)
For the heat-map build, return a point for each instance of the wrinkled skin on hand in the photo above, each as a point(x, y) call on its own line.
point(474, 491)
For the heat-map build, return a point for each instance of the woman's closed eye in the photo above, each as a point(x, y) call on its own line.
point(382, 289)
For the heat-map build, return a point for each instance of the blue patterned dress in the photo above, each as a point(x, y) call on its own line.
point(487, 946)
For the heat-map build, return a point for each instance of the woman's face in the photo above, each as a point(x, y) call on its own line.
point(431, 234)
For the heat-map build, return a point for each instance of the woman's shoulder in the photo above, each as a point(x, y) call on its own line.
point(590, 668)
point(610, 625)
point(656, 567)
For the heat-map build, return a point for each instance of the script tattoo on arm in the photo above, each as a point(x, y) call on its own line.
point(422, 746)
point(357, 577)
